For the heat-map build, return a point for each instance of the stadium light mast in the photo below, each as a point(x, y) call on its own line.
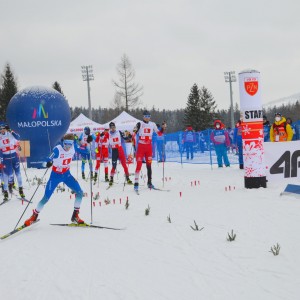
point(87, 75)
point(230, 77)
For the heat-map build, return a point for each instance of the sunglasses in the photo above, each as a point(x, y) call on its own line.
point(68, 143)
point(147, 116)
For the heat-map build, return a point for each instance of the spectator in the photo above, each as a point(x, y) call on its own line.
point(267, 127)
point(201, 141)
point(189, 139)
point(160, 143)
point(220, 139)
point(294, 128)
point(280, 130)
point(238, 141)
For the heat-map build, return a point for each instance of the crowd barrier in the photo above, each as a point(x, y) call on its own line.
point(174, 150)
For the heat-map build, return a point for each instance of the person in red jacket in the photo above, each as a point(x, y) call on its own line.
point(145, 130)
point(101, 149)
point(117, 153)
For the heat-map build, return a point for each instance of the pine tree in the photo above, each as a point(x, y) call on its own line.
point(8, 90)
point(192, 110)
point(57, 87)
point(207, 109)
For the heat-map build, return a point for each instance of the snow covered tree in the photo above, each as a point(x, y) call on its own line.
point(192, 110)
point(129, 91)
point(207, 109)
point(8, 90)
point(57, 87)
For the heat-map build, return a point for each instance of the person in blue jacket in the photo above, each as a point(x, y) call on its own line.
point(160, 142)
point(220, 139)
point(294, 128)
point(9, 159)
point(189, 140)
point(267, 127)
point(85, 140)
point(238, 142)
point(60, 160)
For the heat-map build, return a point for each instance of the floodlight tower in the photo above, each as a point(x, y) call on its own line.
point(230, 77)
point(87, 75)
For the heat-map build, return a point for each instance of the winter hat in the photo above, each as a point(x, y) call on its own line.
point(277, 114)
point(87, 130)
point(217, 122)
point(112, 124)
point(146, 113)
point(189, 128)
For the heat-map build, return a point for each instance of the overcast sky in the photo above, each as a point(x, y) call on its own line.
point(172, 44)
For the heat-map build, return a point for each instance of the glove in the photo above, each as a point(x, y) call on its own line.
point(89, 139)
point(49, 164)
point(1, 166)
point(96, 150)
point(75, 137)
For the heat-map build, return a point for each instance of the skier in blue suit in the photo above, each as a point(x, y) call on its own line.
point(60, 160)
point(85, 139)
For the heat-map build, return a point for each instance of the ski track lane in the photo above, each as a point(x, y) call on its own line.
point(154, 259)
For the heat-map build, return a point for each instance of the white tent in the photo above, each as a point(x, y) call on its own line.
point(124, 121)
point(77, 125)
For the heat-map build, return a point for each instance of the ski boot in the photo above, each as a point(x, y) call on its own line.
point(5, 194)
point(106, 178)
point(75, 217)
point(32, 219)
point(2, 187)
point(83, 175)
point(111, 181)
point(128, 181)
point(136, 186)
point(22, 195)
point(95, 177)
point(150, 185)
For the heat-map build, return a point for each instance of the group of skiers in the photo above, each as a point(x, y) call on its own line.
point(62, 155)
point(9, 161)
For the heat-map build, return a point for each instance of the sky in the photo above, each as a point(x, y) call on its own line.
point(171, 44)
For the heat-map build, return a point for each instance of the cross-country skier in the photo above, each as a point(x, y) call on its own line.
point(101, 149)
point(60, 160)
point(9, 158)
point(144, 149)
point(117, 152)
point(85, 139)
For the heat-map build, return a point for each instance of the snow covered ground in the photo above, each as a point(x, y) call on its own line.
point(153, 258)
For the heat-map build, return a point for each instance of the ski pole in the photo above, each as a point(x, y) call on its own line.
point(25, 172)
point(31, 198)
point(91, 183)
point(163, 157)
